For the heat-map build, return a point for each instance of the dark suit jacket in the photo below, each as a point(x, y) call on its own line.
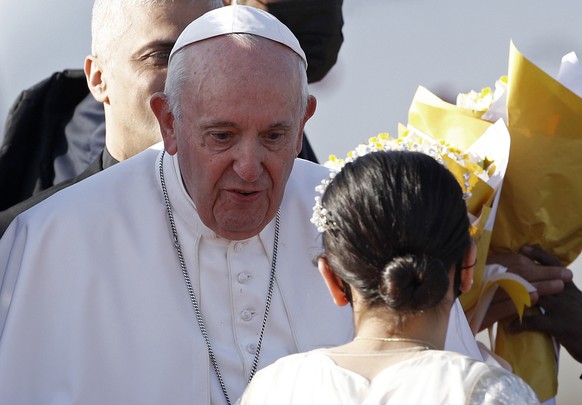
point(34, 132)
point(9, 214)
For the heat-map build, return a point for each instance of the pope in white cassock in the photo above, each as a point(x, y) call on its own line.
point(174, 276)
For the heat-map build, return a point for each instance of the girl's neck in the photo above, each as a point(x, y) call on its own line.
point(382, 329)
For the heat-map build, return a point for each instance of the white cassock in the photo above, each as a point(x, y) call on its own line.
point(94, 308)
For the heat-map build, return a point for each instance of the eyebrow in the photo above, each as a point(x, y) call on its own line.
point(157, 44)
point(221, 123)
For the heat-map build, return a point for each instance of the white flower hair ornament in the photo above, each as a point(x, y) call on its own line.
point(321, 216)
point(409, 141)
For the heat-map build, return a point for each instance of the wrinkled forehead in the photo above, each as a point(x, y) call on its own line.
point(254, 76)
point(240, 60)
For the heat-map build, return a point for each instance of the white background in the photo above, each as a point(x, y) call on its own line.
point(390, 48)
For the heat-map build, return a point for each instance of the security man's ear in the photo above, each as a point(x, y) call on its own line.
point(96, 79)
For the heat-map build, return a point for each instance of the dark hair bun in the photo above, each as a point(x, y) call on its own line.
point(413, 283)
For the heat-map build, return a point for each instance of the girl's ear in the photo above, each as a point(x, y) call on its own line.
point(467, 269)
point(333, 282)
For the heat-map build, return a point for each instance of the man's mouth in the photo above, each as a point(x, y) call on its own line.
point(244, 192)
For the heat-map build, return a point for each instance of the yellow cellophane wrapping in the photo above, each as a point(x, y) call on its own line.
point(432, 116)
point(540, 202)
point(532, 357)
point(542, 191)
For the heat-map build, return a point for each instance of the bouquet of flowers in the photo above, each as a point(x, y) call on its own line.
point(541, 191)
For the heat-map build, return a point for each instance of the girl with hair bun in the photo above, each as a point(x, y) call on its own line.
point(397, 248)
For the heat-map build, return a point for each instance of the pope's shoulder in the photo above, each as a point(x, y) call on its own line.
point(98, 194)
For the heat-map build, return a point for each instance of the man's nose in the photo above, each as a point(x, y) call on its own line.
point(248, 163)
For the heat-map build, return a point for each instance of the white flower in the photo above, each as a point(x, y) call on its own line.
point(482, 101)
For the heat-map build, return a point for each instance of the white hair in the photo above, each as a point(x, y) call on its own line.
point(179, 71)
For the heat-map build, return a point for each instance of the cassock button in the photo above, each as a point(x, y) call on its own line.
point(244, 277)
point(252, 348)
point(246, 314)
point(238, 246)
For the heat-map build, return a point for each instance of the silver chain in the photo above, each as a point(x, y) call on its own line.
point(195, 305)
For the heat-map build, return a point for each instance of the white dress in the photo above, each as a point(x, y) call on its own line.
point(426, 377)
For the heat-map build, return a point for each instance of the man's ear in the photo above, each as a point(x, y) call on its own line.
point(95, 79)
point(310, 108)
point(161, 109)
point(309, 111)
point(333, 282)
point(467, 268)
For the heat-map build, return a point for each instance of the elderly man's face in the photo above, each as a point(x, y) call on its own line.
point(240, 131)
point(135, 68)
